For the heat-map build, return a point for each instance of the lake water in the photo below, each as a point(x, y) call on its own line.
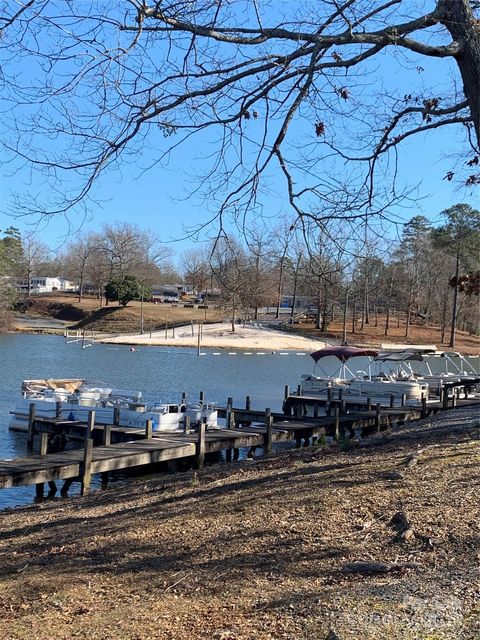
point(160, 373)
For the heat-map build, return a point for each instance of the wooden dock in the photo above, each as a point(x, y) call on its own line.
point(122, 448)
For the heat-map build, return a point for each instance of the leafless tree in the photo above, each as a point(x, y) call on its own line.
point(78, 258)
point(196, 268)
point(291, 89)
point(230, 268)
point(35, 253)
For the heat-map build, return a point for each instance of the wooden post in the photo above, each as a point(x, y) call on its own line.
point(39, 487)
point(31, 424)
point(454, 401)
point(378, 408)
point(228, 413)
point(392, 401)
point(86, 470)
point(39, 491)
point(90, 423)
point(149, 429)
point(58, 409)
point(184, 397)
point(201, 397)
point(299, 390)
point(228, 455)
point(248, 403)
point(107, 435)
point(43, 443)
point(116, 416)
point(315, 411)
point(106, 441)
point(404, 399)
point(424, 406)
point(369, 404)
point(329, 401)
point(232, 420)
point(286, 393)
point(445, 398)
point(268, 435)
point(337, 423)
point(200, 445)
point(299, 410)
point(186, 424)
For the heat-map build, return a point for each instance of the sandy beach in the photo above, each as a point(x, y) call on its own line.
point(220, 336)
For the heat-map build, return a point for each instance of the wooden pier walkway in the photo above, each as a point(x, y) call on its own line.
point(122, 448)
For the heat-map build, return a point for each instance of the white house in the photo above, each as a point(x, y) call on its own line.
point(44, 284)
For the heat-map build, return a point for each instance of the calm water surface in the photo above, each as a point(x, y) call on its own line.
point(160, 373)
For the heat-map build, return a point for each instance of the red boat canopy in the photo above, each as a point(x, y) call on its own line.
point(343, 353)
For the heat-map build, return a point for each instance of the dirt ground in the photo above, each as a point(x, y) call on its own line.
point(374, 541)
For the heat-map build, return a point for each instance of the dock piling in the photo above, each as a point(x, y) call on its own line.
point(444, 398)
point(337, 423)
point(200, 445)
point(107, 435)
point(31, 424)
point(90, 423)
point(378, 409)
point(268, 435)
point(424, 406)
point(86, 472)
point(43, 443)
point(149, 429)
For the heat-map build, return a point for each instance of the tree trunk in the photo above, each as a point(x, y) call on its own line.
point(409, 312)
point(457, 17)
point(324, 316)
point(354, 312)
point(389, 302)
point(345, 309)
point(280, 286)
point(80, 288)
point(451, 344)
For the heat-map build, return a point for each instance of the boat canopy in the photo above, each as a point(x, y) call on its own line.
point(342, 353)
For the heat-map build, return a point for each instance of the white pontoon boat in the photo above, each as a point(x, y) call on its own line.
point(74, 398)
point(376, 381)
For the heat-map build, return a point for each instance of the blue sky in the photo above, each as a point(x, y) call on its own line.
point(156, 199)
